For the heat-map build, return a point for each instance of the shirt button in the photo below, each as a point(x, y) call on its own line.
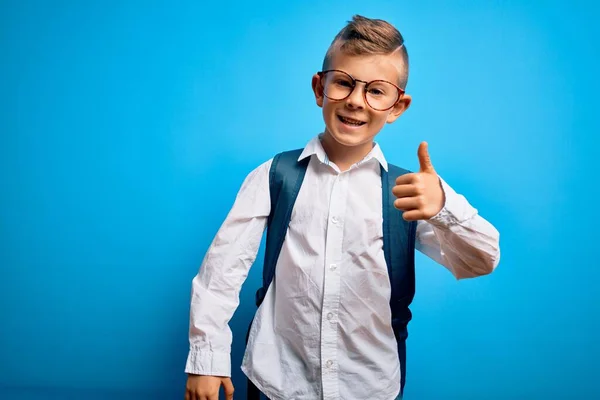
point(329, 363)
point(332, 267)
point(330, 316)
point(334, 220)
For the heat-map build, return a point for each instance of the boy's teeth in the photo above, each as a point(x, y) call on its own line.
point(351, 121)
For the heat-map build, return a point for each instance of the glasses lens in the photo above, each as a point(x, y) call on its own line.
point(381, 95)
point(337, 85)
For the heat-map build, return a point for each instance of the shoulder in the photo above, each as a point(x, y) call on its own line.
point(286, 160)
point(279, 160)
point(291, 155)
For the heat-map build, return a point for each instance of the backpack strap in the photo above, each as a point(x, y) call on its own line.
point(285, 179)
point(398, 248)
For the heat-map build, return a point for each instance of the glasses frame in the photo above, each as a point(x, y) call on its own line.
point(321, 74)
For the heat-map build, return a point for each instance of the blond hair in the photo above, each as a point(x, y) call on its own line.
point(366, 36)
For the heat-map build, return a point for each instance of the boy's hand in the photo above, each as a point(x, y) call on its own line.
point(420, 194)
point(201, 387)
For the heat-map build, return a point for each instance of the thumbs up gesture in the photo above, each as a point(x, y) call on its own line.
point(420, 194)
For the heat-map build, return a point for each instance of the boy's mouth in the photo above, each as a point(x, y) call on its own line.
point(350, 121)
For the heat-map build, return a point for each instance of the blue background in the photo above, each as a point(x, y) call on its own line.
point(127, 128)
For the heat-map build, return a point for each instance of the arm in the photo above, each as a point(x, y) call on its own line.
point(459, 238)
point(449, 230)
point(216, 287)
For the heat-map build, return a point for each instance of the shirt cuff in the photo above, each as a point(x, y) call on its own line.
point(206, 362)
point(456, 209)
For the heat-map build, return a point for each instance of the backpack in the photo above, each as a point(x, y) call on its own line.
point(285, 180)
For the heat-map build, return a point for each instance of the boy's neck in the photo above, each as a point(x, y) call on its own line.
point(343, 156)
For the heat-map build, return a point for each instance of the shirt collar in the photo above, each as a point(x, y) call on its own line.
point(314, 147)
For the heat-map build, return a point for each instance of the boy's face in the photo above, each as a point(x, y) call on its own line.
point(366, 121)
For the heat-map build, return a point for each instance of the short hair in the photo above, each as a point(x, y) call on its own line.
point(365, 36)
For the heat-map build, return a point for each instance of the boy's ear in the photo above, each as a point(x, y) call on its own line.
point(317, 89)
point(399, 108)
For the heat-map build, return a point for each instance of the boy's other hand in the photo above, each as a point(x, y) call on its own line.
point(420, 194)
point(203, 387)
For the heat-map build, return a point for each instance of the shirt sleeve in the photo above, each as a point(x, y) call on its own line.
point(216, 287)
point(459, 238)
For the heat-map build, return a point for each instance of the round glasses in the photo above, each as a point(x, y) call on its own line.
point(380, 95)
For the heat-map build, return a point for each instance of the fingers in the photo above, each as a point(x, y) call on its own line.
point(414, 215)
point(190, 395)
point(407, 190)
point(409, 203)
point(413, 178)
point(410, 197)
point(407, 179)
point(228, 387)
point(409, 185)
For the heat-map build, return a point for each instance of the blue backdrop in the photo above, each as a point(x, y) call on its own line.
point(128, 126)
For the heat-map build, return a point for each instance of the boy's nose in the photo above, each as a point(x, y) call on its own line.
point(356, 99)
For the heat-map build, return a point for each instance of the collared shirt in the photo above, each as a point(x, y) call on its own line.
point(324, 328)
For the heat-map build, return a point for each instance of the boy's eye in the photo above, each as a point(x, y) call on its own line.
point(376, 91)
point(343, 82)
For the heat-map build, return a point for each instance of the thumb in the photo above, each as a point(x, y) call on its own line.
point(228, 386)
point(424, 159)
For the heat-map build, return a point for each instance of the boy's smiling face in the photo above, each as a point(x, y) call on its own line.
point(368, 121)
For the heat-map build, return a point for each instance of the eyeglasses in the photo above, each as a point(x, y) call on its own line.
point(380, 95)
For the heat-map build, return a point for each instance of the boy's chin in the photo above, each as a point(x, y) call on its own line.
point(352, 139)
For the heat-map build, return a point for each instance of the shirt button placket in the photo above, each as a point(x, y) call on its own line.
point(331, 290)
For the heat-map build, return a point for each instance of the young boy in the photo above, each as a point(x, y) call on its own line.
point(325, 329)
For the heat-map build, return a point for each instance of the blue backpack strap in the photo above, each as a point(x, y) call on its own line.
point(285, 179)
point(398, 248)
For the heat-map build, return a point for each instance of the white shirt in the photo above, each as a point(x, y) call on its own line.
point(324, 329)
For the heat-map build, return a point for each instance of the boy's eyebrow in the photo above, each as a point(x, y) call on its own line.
point(360, 80)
